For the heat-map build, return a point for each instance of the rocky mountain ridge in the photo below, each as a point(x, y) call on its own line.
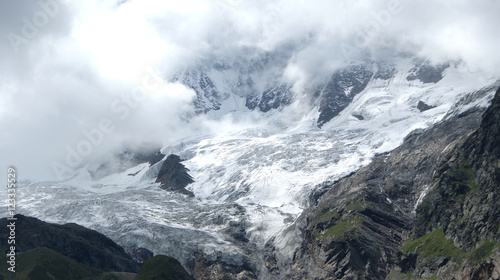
point(427, 209)
point(74, 241)
point(260, 81)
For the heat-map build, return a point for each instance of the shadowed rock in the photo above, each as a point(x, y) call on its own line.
point(380, 224)
point(426, 72)
point(174, 176)
point(83, 245)
point(218, 270)
point(422, 106)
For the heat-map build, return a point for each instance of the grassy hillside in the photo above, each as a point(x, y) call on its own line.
point(162, 268)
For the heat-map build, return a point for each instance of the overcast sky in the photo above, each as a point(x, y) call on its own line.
point(70, 67)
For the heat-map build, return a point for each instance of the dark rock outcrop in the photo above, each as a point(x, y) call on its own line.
point(380, 224)
point(71, 240)
point(272, 98)
point(422, 106)
point(218, 270)
point(359, 117)
point(426, 72)
point(385, 71)
point(338, 93)
point(174, 176)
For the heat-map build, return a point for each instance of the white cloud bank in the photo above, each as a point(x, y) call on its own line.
point(69, 65)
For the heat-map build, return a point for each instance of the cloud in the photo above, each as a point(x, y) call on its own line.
point(68, 65)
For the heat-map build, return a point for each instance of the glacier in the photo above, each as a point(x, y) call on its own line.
point(256, 172)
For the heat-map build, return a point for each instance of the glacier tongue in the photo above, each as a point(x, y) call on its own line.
point(252, 181)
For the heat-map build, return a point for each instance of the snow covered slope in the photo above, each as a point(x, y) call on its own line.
point(257, 174)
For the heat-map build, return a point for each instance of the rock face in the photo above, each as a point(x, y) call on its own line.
point(422, 106)
point(217, 270)
point(426, 72)
point(208, 97)
point(257, 78)
point(430, 208)
point(71, 240)
point(272, 98)
point(341, 89)
point(174, 175)
point(464, 204)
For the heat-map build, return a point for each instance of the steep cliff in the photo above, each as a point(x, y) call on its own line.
point(463, 209)
point(428, 209)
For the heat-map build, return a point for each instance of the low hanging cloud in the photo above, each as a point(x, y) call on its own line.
point(70, 68)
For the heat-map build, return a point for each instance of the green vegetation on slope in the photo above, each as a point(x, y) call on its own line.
point(42, 263)
point(341, 230)
point(462, 177)
point(337, 225)
point(162, 268)
point(435, 244)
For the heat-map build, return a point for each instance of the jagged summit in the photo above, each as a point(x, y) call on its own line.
point(261, 83)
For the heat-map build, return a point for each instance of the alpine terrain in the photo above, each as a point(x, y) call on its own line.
point(385, 168)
